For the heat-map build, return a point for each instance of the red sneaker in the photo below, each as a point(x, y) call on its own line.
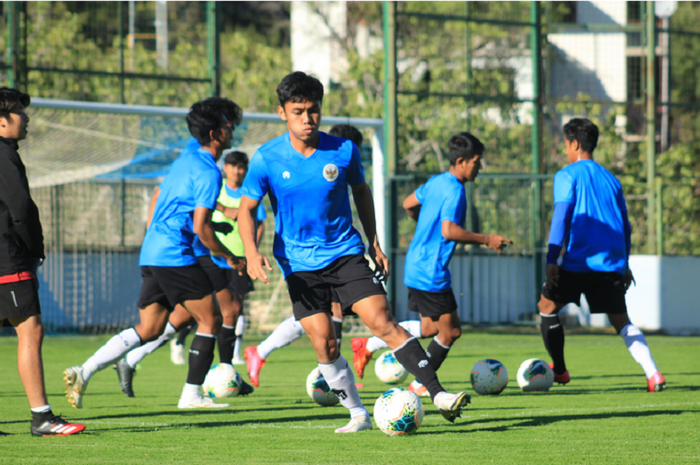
point(360, 355)
point(418, 389)
point(561, 379)
point(56, 426)
point(656, 383)
point(254, 363)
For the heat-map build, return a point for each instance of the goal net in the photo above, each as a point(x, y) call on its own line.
point(92, 169)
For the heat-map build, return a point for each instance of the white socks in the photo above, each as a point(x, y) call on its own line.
point(339, 377)
point(111, 351)
point(191, 392)
point(412, 326)
point(138, 354)
point(287, 332)
point(240, 328)
point(637, 345)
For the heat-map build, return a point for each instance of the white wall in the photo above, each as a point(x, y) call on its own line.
point(667, 294)
point(314, 50)
point(594, 63)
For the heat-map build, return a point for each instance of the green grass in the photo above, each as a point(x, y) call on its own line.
point(604, 415)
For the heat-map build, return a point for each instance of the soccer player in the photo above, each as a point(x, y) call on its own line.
point(590, 215)
point(226, 295)
point(439, 208)
point(171, 272)
point(235, 168)
point(21, 253)
point(290, 329)
point(306, 173)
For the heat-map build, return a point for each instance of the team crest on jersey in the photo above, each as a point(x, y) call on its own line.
point(286, 175)
point(330, 172)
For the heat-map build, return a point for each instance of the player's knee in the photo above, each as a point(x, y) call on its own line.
point(455, 333)
point(546, 306)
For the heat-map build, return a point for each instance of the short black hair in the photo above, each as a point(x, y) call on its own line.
point(464, 145)
point(236, 158)
point(211, 114)
point(11, 99)
point(347, 131)
point(299, 87)
point(583, 131)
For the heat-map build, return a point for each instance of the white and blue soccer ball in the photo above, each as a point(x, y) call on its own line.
point(535, 375)
point(489, 377)
point(398, 412)
point(222, 381)
point(389, 370)
point(317, 388)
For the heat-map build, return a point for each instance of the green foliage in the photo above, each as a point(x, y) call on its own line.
point(59, 38)
point(604, 415)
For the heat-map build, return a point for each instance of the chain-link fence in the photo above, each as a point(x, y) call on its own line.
point(93, 169)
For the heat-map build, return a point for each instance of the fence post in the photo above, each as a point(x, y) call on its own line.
point(536, 142)
point(13, 43)
point(651, 123)
point(390, 124)
point(659, 217)
point(214, 48)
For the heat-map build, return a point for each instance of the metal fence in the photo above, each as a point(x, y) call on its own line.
point(514, 74)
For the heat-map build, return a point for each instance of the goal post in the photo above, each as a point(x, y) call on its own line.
point(92, 168)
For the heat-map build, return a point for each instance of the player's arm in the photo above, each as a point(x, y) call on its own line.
point(229, 212)
point(204, 229)
point(453, 232)
point(23, 212)
point(412, 206)
point(627, 227)
point(261, 231)
point(257, 263)
point(365, 210)
point(558, 234)
point(152, 207)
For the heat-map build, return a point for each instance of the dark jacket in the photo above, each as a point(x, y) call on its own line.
point(21, 238)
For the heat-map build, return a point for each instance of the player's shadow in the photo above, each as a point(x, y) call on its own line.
point(217, 424)
point(539, 420)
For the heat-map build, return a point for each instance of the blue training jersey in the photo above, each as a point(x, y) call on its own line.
point(310, 200)
point(260, 216)
point(442, 198)
point(596, 239)
point(193, 181)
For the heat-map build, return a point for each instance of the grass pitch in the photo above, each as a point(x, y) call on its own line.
point(604, 415)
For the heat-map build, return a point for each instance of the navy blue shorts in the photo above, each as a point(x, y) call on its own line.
point(347, 280)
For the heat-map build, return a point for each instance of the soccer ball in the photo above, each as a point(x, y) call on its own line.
point(535, 375)
point(398, 411)
point(389, 370)
point(317, 388)
point(489, 377)
point(222, 381)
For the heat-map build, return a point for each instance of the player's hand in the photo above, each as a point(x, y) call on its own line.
point(231, 213)
point(223, 228)
point(629, 279)
point(552, 275)
point(237, 263)
point(497, 243)
point(257, 263)
point(381, 262)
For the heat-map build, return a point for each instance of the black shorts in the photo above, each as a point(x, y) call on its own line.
point(169, 286)
point(216, 274)
point(20, 299)
point(605, 292)
point(431, 304)
point(349, 277)
point(242, 283)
